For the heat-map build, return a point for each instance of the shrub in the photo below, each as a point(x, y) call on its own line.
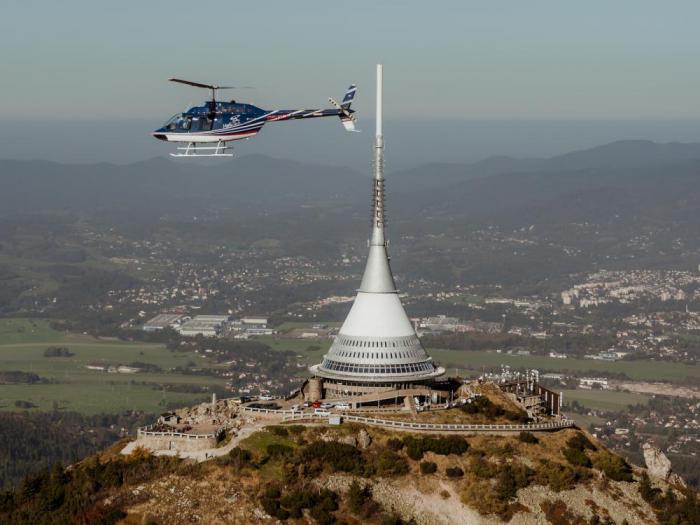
point(278, 450)
point(559, 476)
point(391, 519)
point(389, 462)
point(614, 467)
point(395, 444)
point(322, 517)
point(358, 496)
point(484, 469)
point(446, 445)
point(296, 429)
point(557, 512)
point(523, 475)
point(270, 506)
point(528, 437)
point(361, 502)
point(581, 442)
point(338, 456)
point(278, 430)
point(646, 491)
point(506, 485)
point(237, 458)
point(58, 351)
point(577, 457)
point(416, 447)
point(428, 467)
point(327, 500)
point(454, 472)
point(518, 417)
point(272, 493)
point(321, 504)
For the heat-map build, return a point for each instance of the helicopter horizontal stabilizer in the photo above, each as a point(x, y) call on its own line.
point(344, 112)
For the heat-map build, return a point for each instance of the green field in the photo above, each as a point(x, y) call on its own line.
point(584, 421)
point(291, 325)
point(298, 346)
point(637, 370)
point(22, 346)
point(466, 361)
point(604, 399)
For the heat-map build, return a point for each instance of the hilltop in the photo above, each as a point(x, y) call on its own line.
point(361, 474)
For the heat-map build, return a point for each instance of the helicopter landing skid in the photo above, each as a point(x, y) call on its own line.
point(192, 150)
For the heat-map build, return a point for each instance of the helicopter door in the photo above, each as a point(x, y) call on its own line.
point(204, 124)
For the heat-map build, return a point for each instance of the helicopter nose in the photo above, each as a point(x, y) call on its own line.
point(160, 136)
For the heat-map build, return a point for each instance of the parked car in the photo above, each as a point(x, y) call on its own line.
point(266, 398)
point(326, 405)
point(322, 413)
point(343, 406)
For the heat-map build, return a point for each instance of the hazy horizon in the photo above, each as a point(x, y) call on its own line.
point(123, 141)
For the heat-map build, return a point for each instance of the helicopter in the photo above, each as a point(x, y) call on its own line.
point(217, 122)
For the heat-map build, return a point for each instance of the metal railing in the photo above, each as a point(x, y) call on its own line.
point(145, 431)
point(457, 427)
point(268, 410)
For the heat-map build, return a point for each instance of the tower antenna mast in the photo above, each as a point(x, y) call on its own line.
point(378, 218)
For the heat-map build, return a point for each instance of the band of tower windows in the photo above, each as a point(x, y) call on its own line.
point(411, 368)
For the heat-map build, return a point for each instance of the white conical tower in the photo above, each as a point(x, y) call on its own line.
point(377, 342)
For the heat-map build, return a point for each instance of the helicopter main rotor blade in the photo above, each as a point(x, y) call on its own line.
point(206, 86)
point(190, 83)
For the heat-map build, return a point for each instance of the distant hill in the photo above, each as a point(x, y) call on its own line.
point(162, 185)
point(619, 155)
point(580, 210)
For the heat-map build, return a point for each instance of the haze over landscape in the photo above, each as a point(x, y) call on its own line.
point(179, 339)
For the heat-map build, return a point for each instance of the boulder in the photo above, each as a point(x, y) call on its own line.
point(364, 440)
point(348, 440)
point(659, 466)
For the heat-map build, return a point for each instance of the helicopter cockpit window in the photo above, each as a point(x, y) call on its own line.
point(179, 121)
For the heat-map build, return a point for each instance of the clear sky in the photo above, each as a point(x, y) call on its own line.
point(495, 59)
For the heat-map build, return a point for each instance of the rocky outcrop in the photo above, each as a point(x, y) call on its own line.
point(361, 440)
point(659, 466)
point(364, 440)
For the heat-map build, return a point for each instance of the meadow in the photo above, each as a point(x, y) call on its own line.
point(642, 370)
point(72, 386)
point(464, 362)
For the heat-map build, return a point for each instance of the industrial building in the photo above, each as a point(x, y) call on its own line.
point(205, 325)
point(161, 321)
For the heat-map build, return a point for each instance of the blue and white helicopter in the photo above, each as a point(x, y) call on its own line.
point(221, 122)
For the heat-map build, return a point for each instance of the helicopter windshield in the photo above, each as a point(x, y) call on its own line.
point(179, 121)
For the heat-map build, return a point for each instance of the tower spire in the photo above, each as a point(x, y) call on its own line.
point(377, 343)
point(378, 277)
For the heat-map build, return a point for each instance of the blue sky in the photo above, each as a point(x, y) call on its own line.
point(496, 60)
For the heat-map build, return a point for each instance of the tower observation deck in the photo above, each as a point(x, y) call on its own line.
point(377, 346)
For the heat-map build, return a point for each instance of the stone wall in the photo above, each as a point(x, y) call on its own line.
point(175, 441)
